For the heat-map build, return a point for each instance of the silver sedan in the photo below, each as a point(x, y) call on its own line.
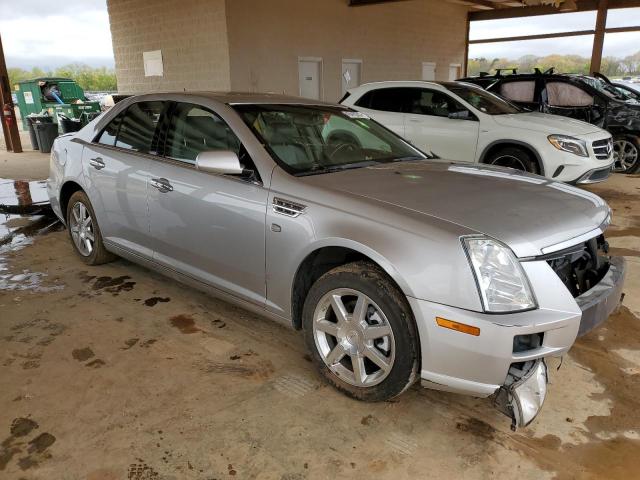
point(395, 267)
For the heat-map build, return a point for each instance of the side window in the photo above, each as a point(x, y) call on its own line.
point(433, 103)
point(519, 91)
point(108, 135)
point(138, 129)
point(562, 94)
point(194, 129)
point(386, 99)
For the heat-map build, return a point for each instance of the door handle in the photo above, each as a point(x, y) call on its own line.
point(97, 163)
point(162, 184)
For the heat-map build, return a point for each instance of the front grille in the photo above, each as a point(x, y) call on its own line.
point(582, 266)
point(603, 148)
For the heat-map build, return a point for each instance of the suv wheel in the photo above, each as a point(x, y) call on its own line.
point(626, 151)
point(84, 231)
point(361, 333)
point(514, 157)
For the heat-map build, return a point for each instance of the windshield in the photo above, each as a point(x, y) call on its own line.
point(484, 101)
point(311, 139)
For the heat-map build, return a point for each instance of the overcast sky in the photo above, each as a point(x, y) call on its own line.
point(50, 33)
point(616, 45)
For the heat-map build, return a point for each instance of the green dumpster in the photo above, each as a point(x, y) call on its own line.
point(54, 96)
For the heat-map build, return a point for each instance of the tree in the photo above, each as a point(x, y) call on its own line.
point(89, 78)
point(611, 66)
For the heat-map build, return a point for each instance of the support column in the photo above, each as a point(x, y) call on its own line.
point(465, 70)
point(598, 39)
point(11, 134)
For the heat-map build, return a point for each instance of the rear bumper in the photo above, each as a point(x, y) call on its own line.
point(601, 300)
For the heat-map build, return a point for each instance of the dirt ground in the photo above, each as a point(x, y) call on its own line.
point(115, 372)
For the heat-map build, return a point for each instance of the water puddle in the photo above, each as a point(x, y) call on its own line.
point(25, 212)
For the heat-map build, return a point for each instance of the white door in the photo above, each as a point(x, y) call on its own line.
point(310, 77)
point(351, 74)
point(429, 127)
point(455, 71)
point(428, 71)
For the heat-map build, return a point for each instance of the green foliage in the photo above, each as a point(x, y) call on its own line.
point(611, 66)
point(91, 79)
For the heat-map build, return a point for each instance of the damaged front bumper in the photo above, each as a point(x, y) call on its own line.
point(506, 361)
point(522, 396)
point(603, 298)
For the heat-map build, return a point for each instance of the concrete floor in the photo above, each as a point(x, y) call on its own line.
point(113, 372)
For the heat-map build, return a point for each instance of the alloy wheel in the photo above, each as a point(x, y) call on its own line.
point(353, 337)
point(81, 227)
point(625, 154)
point(510, 162)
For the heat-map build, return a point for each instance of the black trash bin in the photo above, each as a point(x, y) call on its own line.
point(87, 117)
point(69, 124)
point(32, 133)
point(46, 134)
point(31, 120)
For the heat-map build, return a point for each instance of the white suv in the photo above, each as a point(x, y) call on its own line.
point(464, 123)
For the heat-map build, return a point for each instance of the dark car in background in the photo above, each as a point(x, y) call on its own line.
point(593, 99)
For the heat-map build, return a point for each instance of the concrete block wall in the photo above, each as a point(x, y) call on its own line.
point(392, 40)
point(254, 45)
point(192, 35)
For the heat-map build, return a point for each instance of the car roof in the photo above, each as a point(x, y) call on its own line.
point(365, 87)
point(401, 83)
point(233, 98)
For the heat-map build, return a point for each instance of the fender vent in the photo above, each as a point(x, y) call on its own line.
point(287, 208)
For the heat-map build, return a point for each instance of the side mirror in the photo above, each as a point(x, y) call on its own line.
point(219, 161)
point(461, 115)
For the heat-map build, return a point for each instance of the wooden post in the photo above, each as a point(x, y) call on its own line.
point(11, 134)
point(598, 39)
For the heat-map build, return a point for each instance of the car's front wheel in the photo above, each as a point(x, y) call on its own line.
point(626, 152)
point(514, 157)
point(84, 231)
point(361, 332)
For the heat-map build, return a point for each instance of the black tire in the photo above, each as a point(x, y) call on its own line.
point(630, 142)
point(99, 254)
point(514, 157)
point(371, 281)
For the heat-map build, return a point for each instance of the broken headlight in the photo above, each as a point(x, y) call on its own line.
point(569, 144)
point(502, 284)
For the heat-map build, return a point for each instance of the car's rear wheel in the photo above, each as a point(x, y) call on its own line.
point(361, 333)
point(84, 231)
point(626, 152)
point(514, 157)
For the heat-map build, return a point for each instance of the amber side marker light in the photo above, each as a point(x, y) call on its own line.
point(458, 327)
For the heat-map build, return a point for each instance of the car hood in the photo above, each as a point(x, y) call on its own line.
point(546, 123)
point(526, 212)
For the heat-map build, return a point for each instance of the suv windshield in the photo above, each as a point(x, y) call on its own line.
point(484, 101)
point(310, 139)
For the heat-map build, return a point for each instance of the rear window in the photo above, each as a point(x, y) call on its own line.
point(138, 128)
point(386, 99)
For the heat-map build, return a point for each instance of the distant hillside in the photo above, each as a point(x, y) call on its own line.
point(611, 66)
